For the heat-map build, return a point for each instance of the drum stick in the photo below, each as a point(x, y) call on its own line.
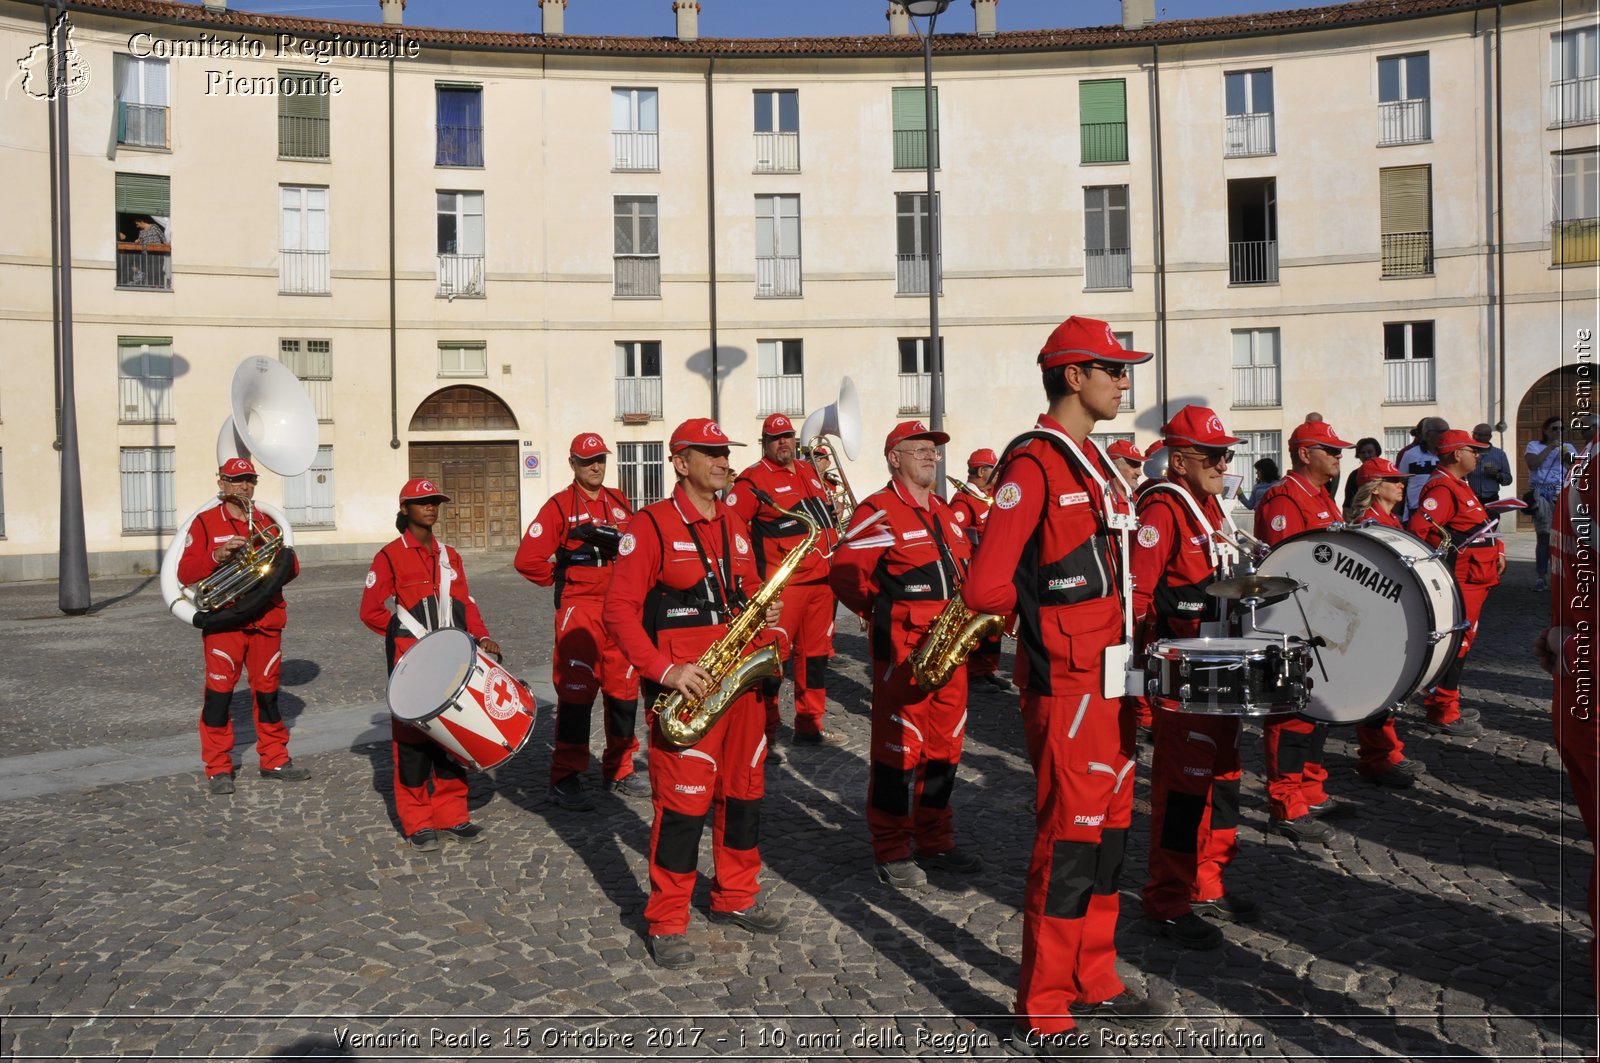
point(1313, 640)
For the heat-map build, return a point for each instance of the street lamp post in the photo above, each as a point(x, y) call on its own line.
point(931, 10)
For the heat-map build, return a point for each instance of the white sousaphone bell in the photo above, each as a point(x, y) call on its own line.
point(842, 421)
point(274, 424)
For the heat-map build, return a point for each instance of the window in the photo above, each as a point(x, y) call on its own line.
point(1395, 440)
point(1255, 368)
point(463, 358)
point(780, 365)
point(308, 498)
point(142, 105)
point(633, 130)
point(144, 231)
point(1248, 130)
point(311, 361)
point(1575, 232)
point(1105, 439)
point(916, 381)
point(144, 379)
point(1103, 121)
point(303, 241)
point(1407, 221)
point(777, 131)
point(149, 494)
point(641, 472)
point(911, 133)
point(1106, 256)
point(1251, 448)
point(638, 381)
point(1253, 231)
point(1126, 339)
point(913, 242)
point(1403, 99)
point(1575, 76)
point(458, 139)
point(1408, 361)
point(460, 244)
point(636, 247)
point(777, 245)
point(302, 115)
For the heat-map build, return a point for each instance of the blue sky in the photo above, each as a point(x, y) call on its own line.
point(747, 18)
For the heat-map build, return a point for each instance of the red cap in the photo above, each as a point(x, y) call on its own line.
point(1122, 448)
point(912, 430)
point(982, 457)
point(1198, 426)
point(1150, 452)
point(588, 445)
point(1378, 469)
point(1085, 339)
point(421, 490)
point(775, 426)
point(699, 432)
point(237, 467)
point(1317, 434)
point(1455, 439)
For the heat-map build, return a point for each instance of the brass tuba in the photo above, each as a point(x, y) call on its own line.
point(252, 564)
point(954, 633)
point(842, 420)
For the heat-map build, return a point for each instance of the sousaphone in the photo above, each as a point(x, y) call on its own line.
point(840, 420)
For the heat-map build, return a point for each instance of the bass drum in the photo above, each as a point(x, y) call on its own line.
point(1387, 611)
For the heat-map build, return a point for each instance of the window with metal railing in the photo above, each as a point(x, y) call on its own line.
point(1408, 363)
point(149, 489)
point(1248, 127)
point(635, 123)
point(912, 136)
point(142, 100)
point(1253, 231)
point(777, 246)
point(1256, 368)
point(638, 381)
point(144, 227)
point(780, 380)
point(303, 115)
point(144, 380)
point(916, 375)
point(1395, 440)
point(311, 361)
point(777, 131)
point(1403, 93)
point(1406, 220)
point(1575, 230)
point(308, 498)
point(461, 244)
point(641, 472)
point(1107, 259)
point(1103, 120)
point(303, 241)
point(636, 248)
point(1251, 448)
point(913, 239)
point(1575, 76)
point(458, 131)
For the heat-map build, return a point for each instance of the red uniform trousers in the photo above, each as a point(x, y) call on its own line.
point(430, 788)
point(985, 658)
point(585, 663)
point(1444, 700)
point(916, 745)
point(1082, 756)
point(1194, 802)
point(806, 629)
point(1295, 774)
point(260, 651)
point(1577, 733)
point(1378, 745)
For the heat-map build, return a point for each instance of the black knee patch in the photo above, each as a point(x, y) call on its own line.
point(445, 766)
point(816, 673)
point(572, 723)
point(1108, 864)
point(1180, 827)
point(741, 823)
point(938, 780)
point(1292, 750)
point(771, 686)
point(678, 841)
point(1451, 680)
point(891, 789)
point(214, 712)
point(413, 763)
point(1225, 805)
point(620, 715)
point(1319, 741)
point(267, 707)
point(1072, 875)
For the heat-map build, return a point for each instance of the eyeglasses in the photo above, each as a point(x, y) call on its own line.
point(919, 452)
point(599, 460)
point(241, 479)
point(1334, 452)
point(1115, 372)
point(1209, 457)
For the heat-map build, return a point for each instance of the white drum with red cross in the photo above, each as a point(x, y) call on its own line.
point(456, 694)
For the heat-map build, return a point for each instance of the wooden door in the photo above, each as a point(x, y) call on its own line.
point(481, 480)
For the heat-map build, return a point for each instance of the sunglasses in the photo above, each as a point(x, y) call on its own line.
point(1334, 452)
point(241, 479)
point(1115, 372)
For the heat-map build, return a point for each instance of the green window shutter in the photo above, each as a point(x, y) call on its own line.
point(1406, 206)
point(1103, 120)
point(302, 100)
point(909, 125)
point(143, 193)
point(302, 116)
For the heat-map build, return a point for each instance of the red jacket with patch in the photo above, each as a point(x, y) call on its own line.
point(412, 575)
point(1291, 506)
point(1172, 565)
point(210, 529)
point(550, 552)
point(1449, 502)
point(972, 514)
point(797, 487)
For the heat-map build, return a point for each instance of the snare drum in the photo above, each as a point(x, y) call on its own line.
point(458, 696)
point(1227, 677)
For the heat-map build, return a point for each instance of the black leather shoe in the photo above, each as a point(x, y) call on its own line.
point(1303, 829)
point(951, 862)
point(903, 875)
point(568, 793)
point(220, 785)
point(468, 832)
point(1127, 1009)
point(1190, 931)
point(757, 919)
point(634, 785)
point(425, 840)
point(671, 951)
point(819, 738)
point(1462, 728)
point(1228, 908)
point(1413, 768)
point(286, 772)
point(1331, 808)
point(1392, 778)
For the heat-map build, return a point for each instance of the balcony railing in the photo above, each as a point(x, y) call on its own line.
point(303, 272)
point(638, 276)
point(144, 400)
point(1575, 100)
point(1103, 142)
point(915, 389)
point(302, 137)
point(634, 150)
point(1575, 241)
point(1409, 380)
point(144, 266)
point(1255, 386)
point(781, 394)
point(1107, 267)
point(142, 125)
point(1407, 254)
point(460, 145)
point(1253, 262)
point(1403, 122)
point(1248, 134)
point(460, 275)
point(639, 398)
point(911, 275)
point(778, 275)
point(777, 153)
point(911, 149)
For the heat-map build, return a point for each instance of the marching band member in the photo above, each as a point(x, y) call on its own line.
point(1129, 460)
point(684, 568)
point(1448, 509)
point(808, 604)
point(903, 559)
point(421, 575)
point(1194, 771)
point(215, 536)
point(972, 512)
point(1048, 554)
point(572, 544)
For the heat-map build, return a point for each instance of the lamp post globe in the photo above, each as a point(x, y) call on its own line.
point(926, 8)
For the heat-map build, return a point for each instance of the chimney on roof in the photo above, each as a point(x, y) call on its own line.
point(1137, 13)
point(393, 11)
point(899, 21)
point(985, 12)
point(216, 5)
point(688, 19)
point(554, 13)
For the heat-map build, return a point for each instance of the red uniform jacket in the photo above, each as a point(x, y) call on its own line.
point(678, 580)
point(902, 570)
point(409, 572)
point(550, 552)
point(972, 514)
point(1386, 519)
point(210, 529)
point(1574, 548)
point(1292, 506)
point(1172, 566)
point(797, 487)
point(1449, 502)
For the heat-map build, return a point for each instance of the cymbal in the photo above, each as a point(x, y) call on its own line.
point(1265, 588)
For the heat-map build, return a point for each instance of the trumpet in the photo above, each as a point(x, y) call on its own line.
point(966, 488)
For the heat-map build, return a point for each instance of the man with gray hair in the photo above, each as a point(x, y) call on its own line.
point(1419, 459)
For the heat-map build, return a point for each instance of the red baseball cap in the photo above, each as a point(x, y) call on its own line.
point(1455, 439)
point(237, 467)
point(775, 426)
point(1121, 448)
point(588, 445)
point(1086, 339)
point(421, 489)
point(1319, 434)
point(1198, 426)
point(982, 457)
point(699, 432)
point(912, 430)
point(1378, 469)
point(1157, 445)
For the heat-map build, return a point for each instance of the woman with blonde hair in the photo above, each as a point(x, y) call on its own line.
point(1380, 490)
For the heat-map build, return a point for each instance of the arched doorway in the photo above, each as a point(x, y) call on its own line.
point(1552, 395)
point(479, 476)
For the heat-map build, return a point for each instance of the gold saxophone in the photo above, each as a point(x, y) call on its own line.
point(954, 633)
point(967, 489)
point(251, 564)
point(685, 720)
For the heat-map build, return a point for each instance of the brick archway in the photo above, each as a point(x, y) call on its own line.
point(479, 476)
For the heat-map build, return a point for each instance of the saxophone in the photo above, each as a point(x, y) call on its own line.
point(954, 633)
point(685, 720)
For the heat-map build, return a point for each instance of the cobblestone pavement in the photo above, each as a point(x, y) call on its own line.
point(143, 918)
